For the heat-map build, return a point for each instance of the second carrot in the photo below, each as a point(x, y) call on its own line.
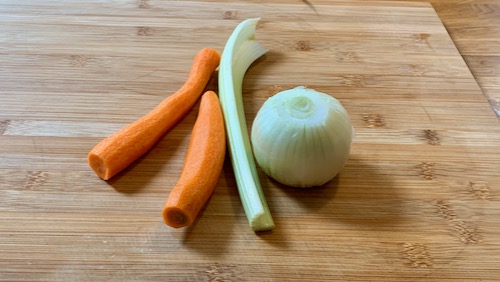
point(202, 167)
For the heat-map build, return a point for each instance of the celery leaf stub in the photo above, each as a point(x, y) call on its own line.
point(240, 52)
point(302, 137)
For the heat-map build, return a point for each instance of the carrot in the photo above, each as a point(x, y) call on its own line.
point(202, 167)
point(120, 149)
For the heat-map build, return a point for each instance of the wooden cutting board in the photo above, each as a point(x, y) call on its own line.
point(418, 198)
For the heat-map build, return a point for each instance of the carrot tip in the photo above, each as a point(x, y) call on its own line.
point(176, 217)
point(98, 165)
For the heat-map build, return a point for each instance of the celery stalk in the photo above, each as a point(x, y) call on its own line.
point(240, 52)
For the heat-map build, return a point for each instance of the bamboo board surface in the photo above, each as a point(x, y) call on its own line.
point(418, 198)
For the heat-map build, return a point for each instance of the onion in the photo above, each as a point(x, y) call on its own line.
point(302, 137)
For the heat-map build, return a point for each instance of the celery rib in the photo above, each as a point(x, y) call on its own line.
point(240, 52)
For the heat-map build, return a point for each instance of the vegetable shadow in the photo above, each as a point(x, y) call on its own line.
point(215, 224)
point(361, 194)
point(164, 153)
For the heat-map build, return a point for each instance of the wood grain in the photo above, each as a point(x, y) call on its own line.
point(474, 26)
point(418, 199)
point(475, 29)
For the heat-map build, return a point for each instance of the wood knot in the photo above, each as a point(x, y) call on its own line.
point(143, 4)
point(374, 120)
point(414, 69)
point(79, 61)
point(348, 57)
point(466, 233)
point(445, 211)
point(144, 31)
point(422, 39)
point(303, 45)
point(35, 179)
point(353, 80)
point(427, 170)
point(4, 124)
point(479, 189)
point(417, 255)
point(229, 15)
point(220, 272)
point(431, 137)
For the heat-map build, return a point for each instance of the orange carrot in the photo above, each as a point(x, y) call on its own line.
point(202, 167)
point(119, 150)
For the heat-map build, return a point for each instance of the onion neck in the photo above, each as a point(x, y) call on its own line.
point(300, 107)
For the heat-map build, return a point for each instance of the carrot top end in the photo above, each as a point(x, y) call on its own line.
point(176, 217)
point(98, 165)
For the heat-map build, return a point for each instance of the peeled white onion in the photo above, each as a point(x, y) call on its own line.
point(302, 137)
